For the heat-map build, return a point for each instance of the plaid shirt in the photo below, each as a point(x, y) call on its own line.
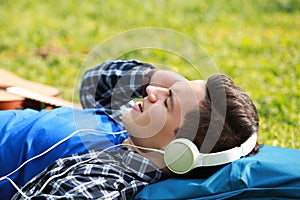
point(114, 175)
point(101, 175)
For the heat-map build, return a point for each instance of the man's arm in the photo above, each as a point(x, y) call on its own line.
point(113, 83)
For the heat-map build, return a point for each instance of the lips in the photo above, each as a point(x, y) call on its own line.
point(138, 107)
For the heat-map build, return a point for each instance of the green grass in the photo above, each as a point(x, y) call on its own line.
point(255, 42)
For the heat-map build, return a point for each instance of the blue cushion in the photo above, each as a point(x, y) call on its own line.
point(273, 173)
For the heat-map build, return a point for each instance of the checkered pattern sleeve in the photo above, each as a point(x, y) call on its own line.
point(113, 84)
point(94, 175)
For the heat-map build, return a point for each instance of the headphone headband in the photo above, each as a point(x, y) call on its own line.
point(227, 156)
point(182, 155)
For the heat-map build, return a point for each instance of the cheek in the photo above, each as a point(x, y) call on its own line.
point(146, 124)
point(184, 106)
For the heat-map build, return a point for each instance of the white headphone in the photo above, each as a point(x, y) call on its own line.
point(181, 155)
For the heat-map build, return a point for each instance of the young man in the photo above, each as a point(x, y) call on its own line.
point(188, 109)
point(172, 107)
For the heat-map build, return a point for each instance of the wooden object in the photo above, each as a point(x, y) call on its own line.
point(18, 93)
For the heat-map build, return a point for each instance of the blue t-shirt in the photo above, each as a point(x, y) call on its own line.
point(27, 133)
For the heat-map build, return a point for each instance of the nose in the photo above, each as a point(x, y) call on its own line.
point(156, 93)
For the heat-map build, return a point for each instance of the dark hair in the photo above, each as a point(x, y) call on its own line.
point(228, 118)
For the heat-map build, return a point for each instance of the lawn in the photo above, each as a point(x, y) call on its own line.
point(255, 42)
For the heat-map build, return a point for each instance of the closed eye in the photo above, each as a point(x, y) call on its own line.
point(166, 102)
point(171, 100)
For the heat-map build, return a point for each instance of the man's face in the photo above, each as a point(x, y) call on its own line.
point(151, 123)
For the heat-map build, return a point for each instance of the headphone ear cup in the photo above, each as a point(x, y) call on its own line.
point(180, 155)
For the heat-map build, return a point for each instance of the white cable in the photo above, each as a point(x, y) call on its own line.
point(145, 148)
point(17, 188)
point(62, 141)
point(97, 154)
point(6, 177)
point(57, 144)
point(64, 172)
